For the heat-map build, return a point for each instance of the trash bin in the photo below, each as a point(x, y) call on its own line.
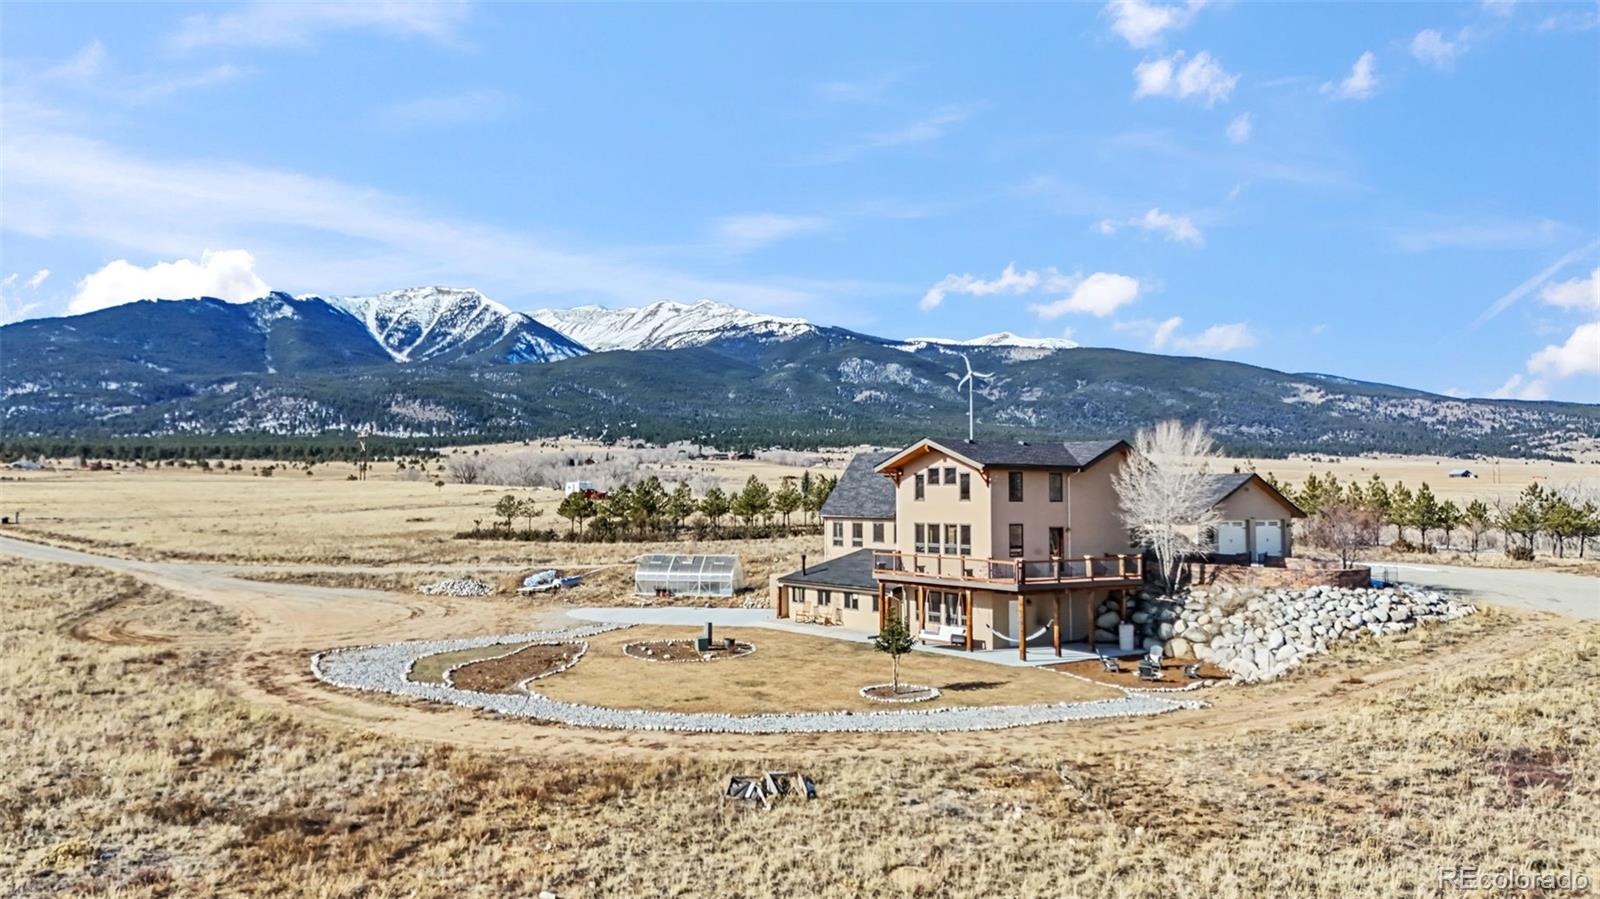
point(1125, 636)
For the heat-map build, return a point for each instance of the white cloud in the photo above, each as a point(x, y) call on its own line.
point(85, 65)
point(1011, 281)
point(1177, 228)
point(1435, 49)
point(1579, 355)
point(1166, 335)
point(1361, 83)
point(37, 279)
point(1511, 296)
point(743, 233)
point(1240, 129)
point(1099, 295)
point(330, 236)
point(440, 110)
point(274, 24)
point(1579, 293)
point(1142, 24)
point(224, 274)
point(1485, 234)
point(1518, 387)
point(1499, 7)
point(1201, 77)
point(864, 90)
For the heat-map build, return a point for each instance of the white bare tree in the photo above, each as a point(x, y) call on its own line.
point(1165, 490)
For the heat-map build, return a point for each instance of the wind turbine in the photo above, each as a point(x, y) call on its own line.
point(970, 379)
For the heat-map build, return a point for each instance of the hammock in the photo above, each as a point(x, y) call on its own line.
point(1031, 637)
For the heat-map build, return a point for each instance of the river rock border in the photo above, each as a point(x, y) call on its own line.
point(384, 669)
point(449, 673)
point(918, 693)
point(702, 660)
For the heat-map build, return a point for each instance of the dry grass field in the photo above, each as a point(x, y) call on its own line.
point(142, 766)
point(1497, 478)
point(791, 672)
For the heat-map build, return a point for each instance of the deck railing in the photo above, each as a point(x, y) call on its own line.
point(1062, 570)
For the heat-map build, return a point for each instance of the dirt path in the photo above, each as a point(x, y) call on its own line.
point(285, 622)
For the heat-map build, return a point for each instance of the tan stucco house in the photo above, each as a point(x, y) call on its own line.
point(992, 544)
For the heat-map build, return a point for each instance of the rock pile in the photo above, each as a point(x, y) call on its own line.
point(1259, 637)
point(456, 587)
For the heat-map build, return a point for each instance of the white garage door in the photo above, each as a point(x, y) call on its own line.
point(1231, 538)
point(1269, 538)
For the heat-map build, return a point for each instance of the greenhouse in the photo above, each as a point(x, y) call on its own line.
point(672, 574)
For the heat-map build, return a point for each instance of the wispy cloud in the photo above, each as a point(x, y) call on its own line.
point(1176, 228)
point(752, 231)
point(1360, 84)
point(17, 303)
point(1488, 234)
point(1240, 129)
point(1540, 278)
point(1167, 336)
point(275, 24)
point(862, 90)
point(437, 110)
point(1201, 78)
point(1142, 24)
point(927, 129)
point(1432, 47)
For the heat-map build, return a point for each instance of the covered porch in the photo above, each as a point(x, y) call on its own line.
point(1040, 626)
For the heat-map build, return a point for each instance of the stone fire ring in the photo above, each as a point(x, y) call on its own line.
point(908, 693)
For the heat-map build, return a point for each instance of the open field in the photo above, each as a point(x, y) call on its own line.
point(1496, 477)
point(178, 755)
point(791, 672)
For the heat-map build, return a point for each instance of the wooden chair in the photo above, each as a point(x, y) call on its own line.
point(1110, 665)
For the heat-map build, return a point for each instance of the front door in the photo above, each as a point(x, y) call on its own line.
point(1013, 613)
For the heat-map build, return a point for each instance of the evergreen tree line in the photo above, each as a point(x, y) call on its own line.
point(1540, 518)
point(647, 510)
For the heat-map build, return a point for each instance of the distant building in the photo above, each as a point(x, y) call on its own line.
point(578, 487)
point(1462, 473)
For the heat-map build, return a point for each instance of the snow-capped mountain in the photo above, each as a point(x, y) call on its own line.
point(667, 325)
point(421, 323)
point(998, 339)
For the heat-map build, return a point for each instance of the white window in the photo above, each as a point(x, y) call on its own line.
point(838, 533)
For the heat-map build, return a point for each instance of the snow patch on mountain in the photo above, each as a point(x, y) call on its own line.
point(997, 339)
point(667, 325)
point(421, 323)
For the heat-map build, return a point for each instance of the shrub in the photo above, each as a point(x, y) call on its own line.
point(1520, 553)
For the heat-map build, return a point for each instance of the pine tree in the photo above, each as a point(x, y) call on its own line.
point(896, 640)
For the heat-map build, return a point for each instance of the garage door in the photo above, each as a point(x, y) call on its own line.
point(1231, 538)
point(1269, 538)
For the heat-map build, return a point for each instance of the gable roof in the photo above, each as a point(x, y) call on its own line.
point(983, 454)
point(861, 491)
point(1226, 485)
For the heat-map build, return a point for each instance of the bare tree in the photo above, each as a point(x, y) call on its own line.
point(464, 469)
point(1343, 528)
point(1166, 492)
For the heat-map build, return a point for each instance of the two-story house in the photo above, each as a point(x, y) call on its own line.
point(995, 544)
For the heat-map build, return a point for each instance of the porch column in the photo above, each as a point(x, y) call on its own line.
point(783, 601)
point(922, 608)
point(1056, 622)
point(883, 605)
point(1094, 609)
point(1022, 626)
point(967, 599)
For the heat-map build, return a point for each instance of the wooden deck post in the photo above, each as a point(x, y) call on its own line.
point(1094, 623)
point(1022, 626)
point(967, 599)
point(883, 605)
point(1057, 624)
point(922, 608)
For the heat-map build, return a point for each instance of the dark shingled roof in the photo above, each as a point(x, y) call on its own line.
point(862, 492)
point(1018, 454)
point(852, 572)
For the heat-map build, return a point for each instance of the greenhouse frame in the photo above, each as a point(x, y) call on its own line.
point(675, 574)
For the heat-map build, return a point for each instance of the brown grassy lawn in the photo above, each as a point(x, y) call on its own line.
point(790, 672)
point(129, 774)
point(431, 669)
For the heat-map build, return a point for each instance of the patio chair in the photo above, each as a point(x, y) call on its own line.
point(1110, 665)
point(1192, 672)
point(1149, 669)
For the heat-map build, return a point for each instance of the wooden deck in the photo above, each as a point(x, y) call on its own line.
point(1008, 575)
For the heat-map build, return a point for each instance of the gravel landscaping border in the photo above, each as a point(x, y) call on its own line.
point(383, 669)
point(583, 649)
point(918, 693)
point(701, 657)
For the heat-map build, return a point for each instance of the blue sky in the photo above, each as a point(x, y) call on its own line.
point(1407, 193)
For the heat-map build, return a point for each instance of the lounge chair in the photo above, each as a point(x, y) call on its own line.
point(948, 634)
point(1192, 672)
point(1110, 665)
point(1149, 669)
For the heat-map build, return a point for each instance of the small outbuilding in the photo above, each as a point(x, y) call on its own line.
point(675, 574)
point(1462, 473)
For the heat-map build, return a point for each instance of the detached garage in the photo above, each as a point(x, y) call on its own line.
point(1256, 518)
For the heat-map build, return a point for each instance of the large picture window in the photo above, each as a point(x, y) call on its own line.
point(1013, 486)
